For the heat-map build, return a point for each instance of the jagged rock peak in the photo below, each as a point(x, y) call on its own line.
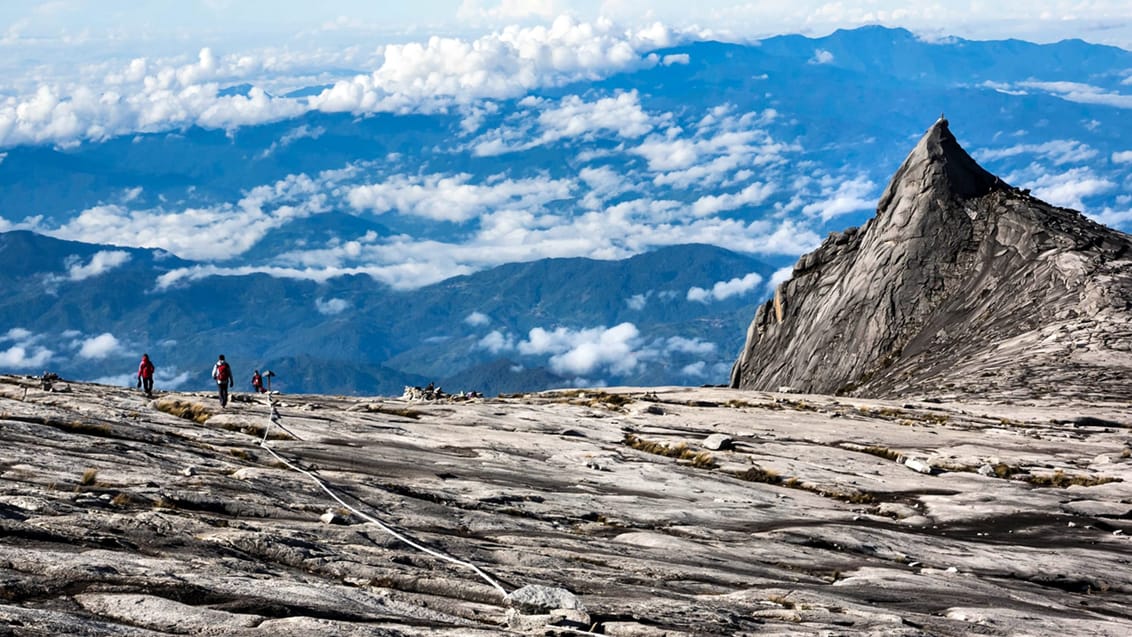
point(938, 162)
point(959, 284)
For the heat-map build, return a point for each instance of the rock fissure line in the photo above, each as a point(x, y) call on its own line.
point(275, 418)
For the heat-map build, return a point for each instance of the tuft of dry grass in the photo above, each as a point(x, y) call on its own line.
point(680, 451)
point(121, 500)
point(1062, 480)
point(758, 474)
point(90, 476)
point(195, 412)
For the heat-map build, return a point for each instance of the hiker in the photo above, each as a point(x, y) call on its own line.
point(257, 382)
point(222, 374)
point(145, 375)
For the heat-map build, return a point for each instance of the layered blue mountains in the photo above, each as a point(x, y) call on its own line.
point(618, 229)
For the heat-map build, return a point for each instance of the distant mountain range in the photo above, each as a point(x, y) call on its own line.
point(354, 335)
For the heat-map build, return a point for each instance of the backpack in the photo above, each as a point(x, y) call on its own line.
point(222, 372)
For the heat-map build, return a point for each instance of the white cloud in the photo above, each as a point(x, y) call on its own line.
point(725, 289)
point(676, 58)
point(841, 196)
point(1122, 157)
point(1120, 219)
point(695, 370)
point(780, 276)
point(572, 117)
point(688, 345)
point(455, 198)
point(581, 352)
point(1059, 151)
point(1081, 93)
point(501, 65)
point(220, 232)
point(476, 319)
point(25, 351)
point(821, 56)
point(100, 262)
point(753, 195)
point(331, 307)
point(638, 301)
point(99, 347)
point(292, 136)
point(1066, 188)
point(508, 10)
point(496, 342)
point(21, 357)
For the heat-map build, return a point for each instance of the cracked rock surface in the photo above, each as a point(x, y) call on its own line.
point(960, 286)
point(609, 514)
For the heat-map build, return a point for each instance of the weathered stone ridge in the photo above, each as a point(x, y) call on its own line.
point(961, 284)
point(645, 512)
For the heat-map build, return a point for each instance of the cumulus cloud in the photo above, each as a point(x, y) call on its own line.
point(1068, 188)
point(688, 345)
point(780, 276)
point(24, 351)
point(638, 301)
point(505, 64)
point(153, 95)
point(496, 342)
point(1059, 151)
point(99, 347)
point(100, 262)
point(572, 117)
point(675, 58)
point(821, 56)
point(1082, 93)
point(585, 351)
point(725, 289)
point(752, 195)
point(841, 196)
point(331, 307)
point(220, 232)
point(476, 319)
point(1122, 157)
point(455, 198)
point(695, 369)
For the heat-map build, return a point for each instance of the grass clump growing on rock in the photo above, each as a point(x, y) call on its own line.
point(758, 474)
point(1062, 480)
point(90, 476)
point(680, 451)
point(195, 412)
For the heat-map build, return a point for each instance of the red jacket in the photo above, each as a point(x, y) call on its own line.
point(145, 368)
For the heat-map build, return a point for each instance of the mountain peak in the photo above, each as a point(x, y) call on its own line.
point(959, 278)
point(940, 165)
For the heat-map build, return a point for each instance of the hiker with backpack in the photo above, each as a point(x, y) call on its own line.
point(222, 374)
point(145, 375)
point(257, 382)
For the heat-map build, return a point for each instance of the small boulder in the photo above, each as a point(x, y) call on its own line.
point(920, 466)
point(718, 442)
point(540, 600)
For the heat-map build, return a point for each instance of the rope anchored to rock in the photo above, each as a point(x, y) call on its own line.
point(275, 420)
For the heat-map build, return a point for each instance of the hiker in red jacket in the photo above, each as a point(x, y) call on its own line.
point(257, 382)
point(145, 375)
point(222, 374)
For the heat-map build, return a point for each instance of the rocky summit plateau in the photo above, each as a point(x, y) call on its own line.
point(962, 286)
point(643, 512)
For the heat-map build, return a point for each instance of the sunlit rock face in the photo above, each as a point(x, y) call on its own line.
point(960, 285)
point(658, 511)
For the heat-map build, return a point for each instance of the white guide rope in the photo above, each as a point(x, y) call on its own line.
point(322, 485)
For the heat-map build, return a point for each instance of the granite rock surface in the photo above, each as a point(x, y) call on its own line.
point(961, 286)
point(561, 513)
